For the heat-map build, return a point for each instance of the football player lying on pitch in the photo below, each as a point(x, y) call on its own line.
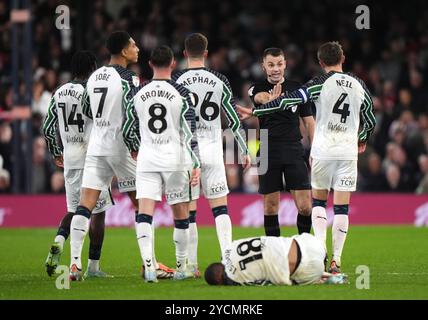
point(297, 260)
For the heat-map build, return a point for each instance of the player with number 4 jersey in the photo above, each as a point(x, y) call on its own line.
point(344, 123)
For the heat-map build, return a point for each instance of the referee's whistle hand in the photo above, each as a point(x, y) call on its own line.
point(244, 112)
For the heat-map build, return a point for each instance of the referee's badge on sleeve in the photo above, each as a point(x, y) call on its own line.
point(135, 81)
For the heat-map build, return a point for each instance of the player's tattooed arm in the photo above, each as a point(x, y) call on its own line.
point(50, 126)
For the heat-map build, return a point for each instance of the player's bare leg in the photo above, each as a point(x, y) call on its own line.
point(79, 228)
point(302, 200)
point(181, 239)
point(340, 227)
point(143, 228)
point(271, 207)
point(132, 196)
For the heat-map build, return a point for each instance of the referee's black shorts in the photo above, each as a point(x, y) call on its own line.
point(287, 170)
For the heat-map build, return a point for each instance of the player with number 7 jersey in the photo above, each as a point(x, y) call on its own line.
point(107, 92)
point(67, 131)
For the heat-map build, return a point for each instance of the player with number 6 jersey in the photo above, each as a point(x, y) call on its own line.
point(213, 98)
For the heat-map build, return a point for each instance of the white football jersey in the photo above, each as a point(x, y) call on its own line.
point(258, 261)
point(108, 91)
point(164, 112)
point(213, 94)
point(340, 101)
point(65, 117)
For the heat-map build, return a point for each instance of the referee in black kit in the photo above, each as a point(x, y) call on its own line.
point(285, 151)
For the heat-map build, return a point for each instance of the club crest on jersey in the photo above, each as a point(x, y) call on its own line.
point(135, 81)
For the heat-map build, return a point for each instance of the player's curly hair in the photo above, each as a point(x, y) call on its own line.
point(215, 274)
point(83, 63)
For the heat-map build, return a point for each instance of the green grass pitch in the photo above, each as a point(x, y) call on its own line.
point(396, 256)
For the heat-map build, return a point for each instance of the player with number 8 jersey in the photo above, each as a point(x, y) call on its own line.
point(160, 127)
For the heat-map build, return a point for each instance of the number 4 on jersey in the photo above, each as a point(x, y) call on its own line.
point(344, 112)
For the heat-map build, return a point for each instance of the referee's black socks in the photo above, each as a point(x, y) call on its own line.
point(272, 225)
point(304, 223)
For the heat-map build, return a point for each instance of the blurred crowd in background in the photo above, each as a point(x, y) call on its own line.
point(391, 57)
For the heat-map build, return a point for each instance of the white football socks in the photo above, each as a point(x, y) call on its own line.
point(93, 265)
point(155, 262)
point(339, 231)
point(181, 240)
point(78, 229)
point(319, 223)
point(223, 226)
point(193, 244)
point(60, 240)
point(145, 242)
